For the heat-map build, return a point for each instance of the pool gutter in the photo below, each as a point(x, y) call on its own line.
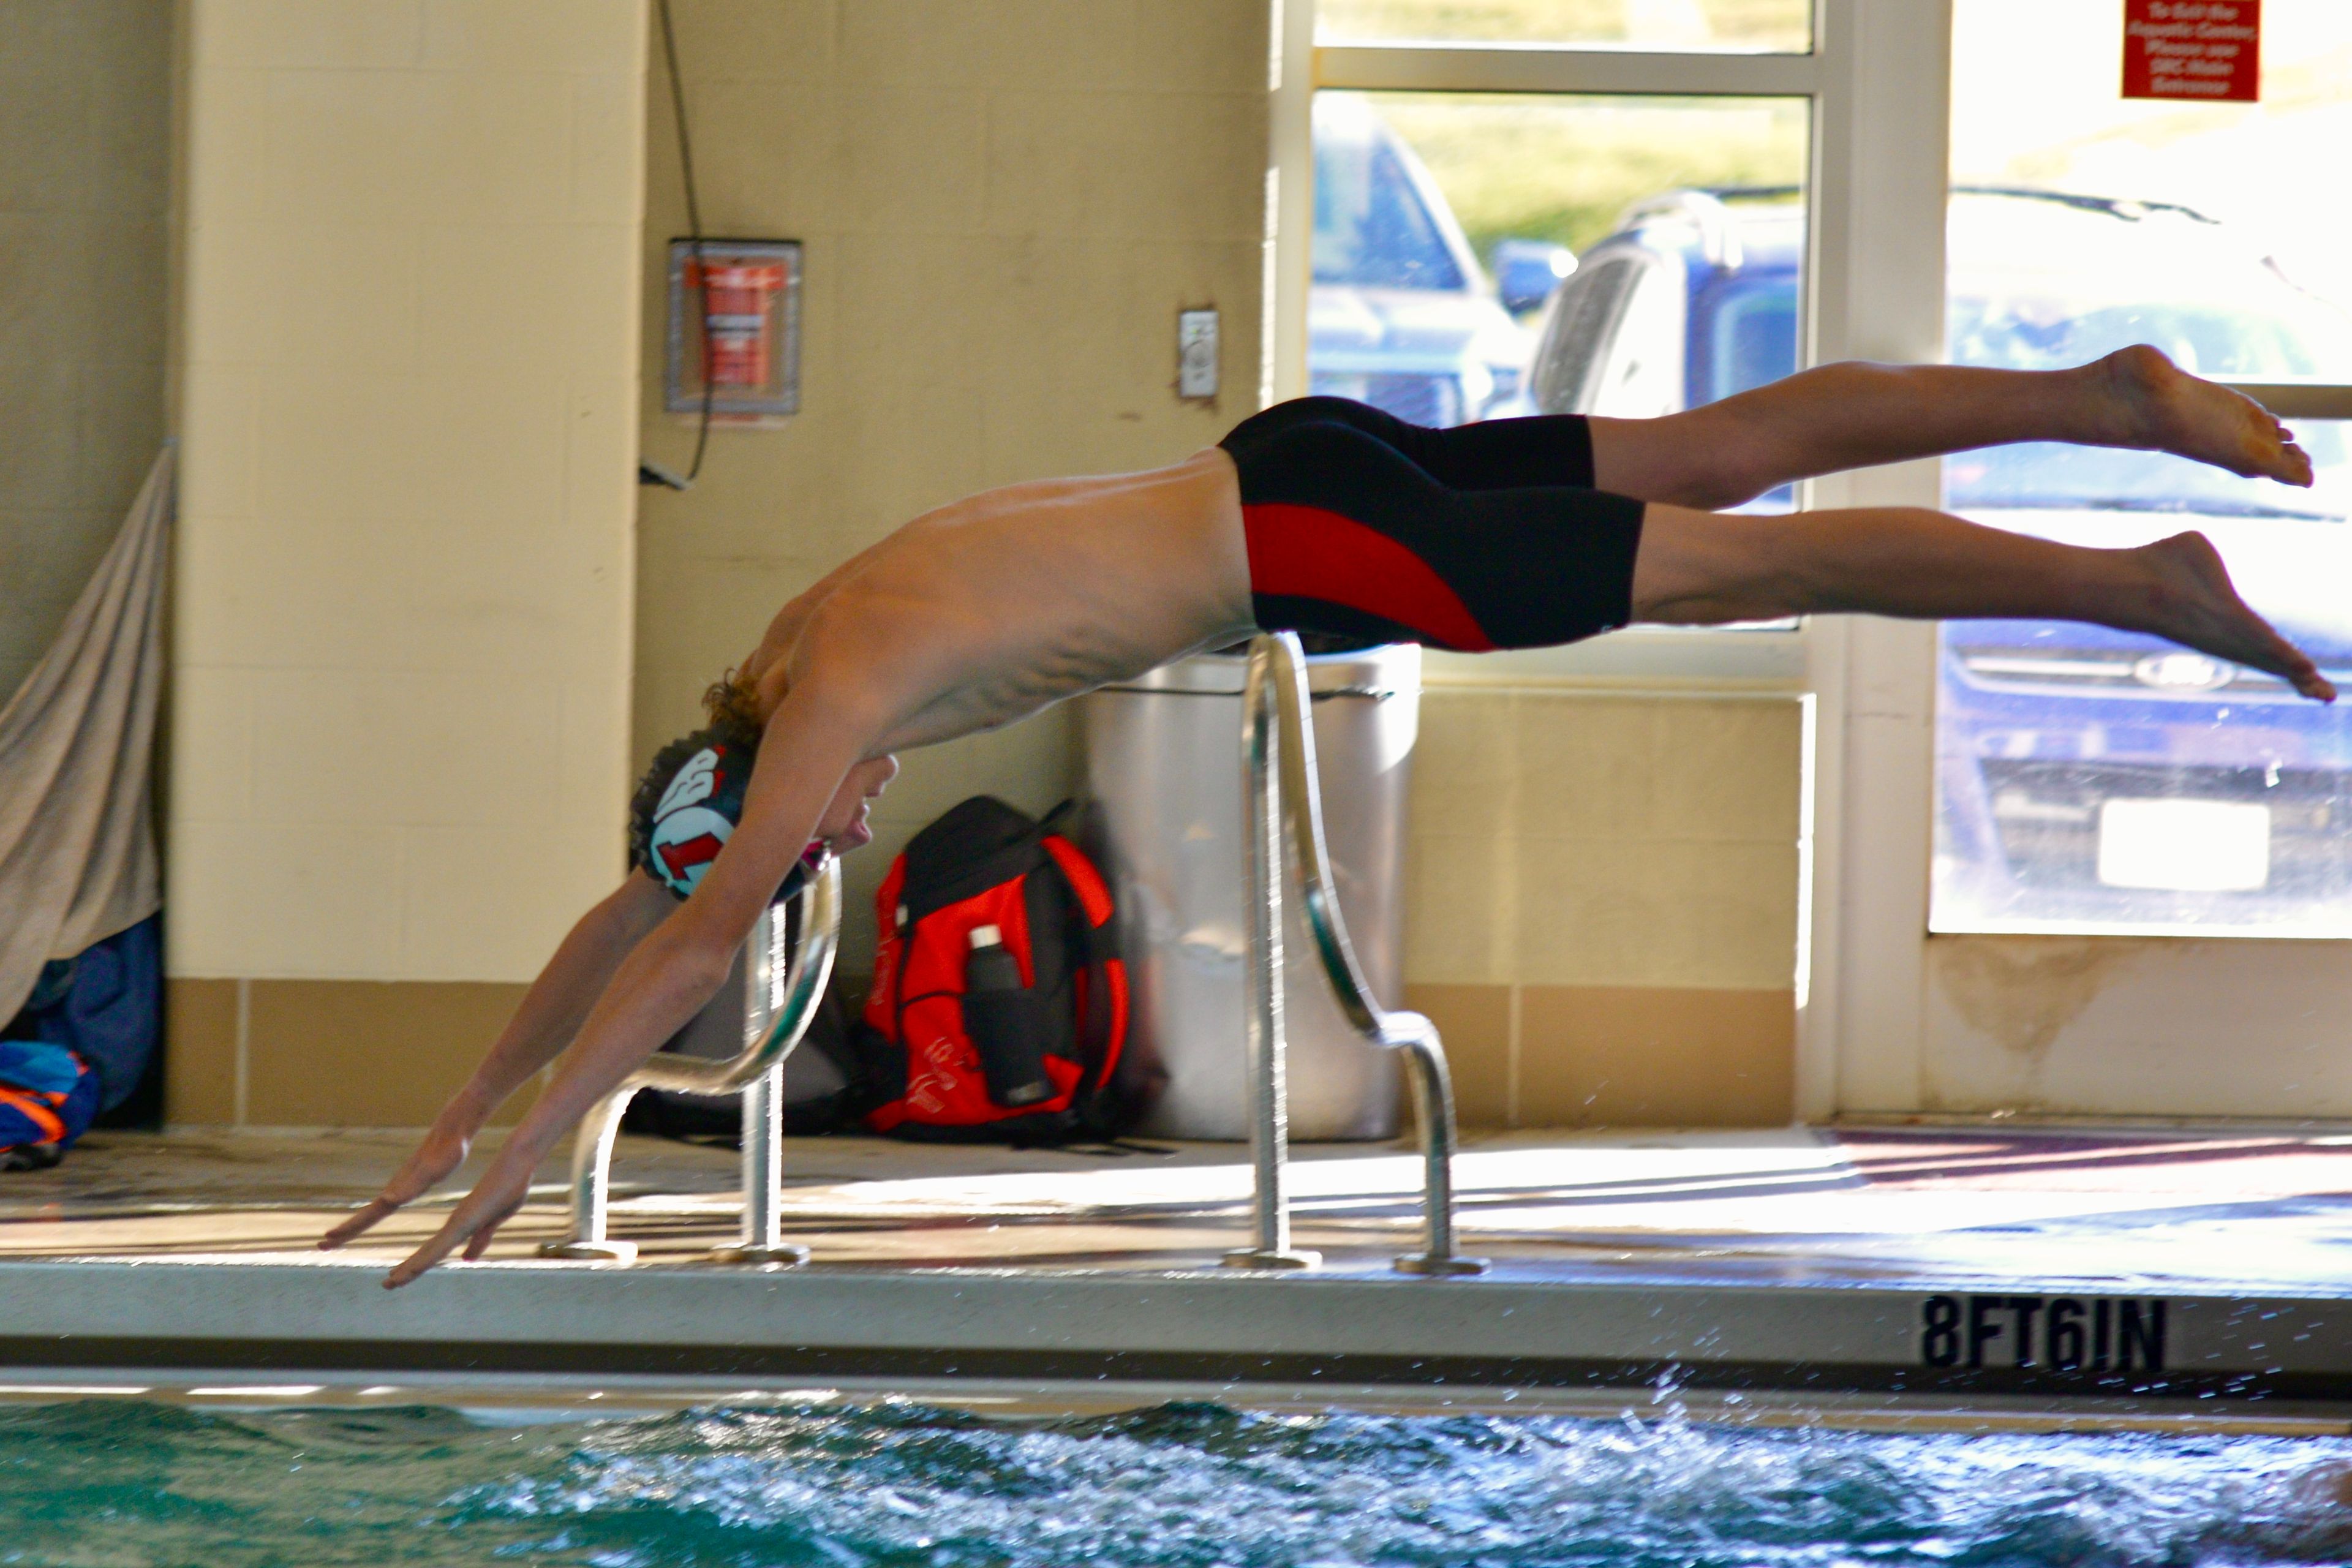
point(1518, 1329)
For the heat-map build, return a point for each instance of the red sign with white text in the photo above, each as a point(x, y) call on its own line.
point(2197, 49)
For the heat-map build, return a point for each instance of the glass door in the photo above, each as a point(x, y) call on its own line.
point(2141, 878)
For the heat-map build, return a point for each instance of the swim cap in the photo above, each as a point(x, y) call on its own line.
point(687, 808)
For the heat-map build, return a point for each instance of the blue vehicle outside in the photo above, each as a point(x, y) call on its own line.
point(1401, 315)
point(2042, 726)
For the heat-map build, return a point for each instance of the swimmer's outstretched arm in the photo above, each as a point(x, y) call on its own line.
point(1843, 416)
point(548, 1018)
point(813, 739)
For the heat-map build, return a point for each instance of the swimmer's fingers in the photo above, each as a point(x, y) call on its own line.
point(367, 1219)
point(445, 1241)
point(471, 1226)
point(480, 1241)
point(442, 1151)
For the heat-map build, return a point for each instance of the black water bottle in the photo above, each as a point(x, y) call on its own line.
point(999, 1014)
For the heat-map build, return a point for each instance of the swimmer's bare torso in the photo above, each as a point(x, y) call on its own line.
point(988, 609)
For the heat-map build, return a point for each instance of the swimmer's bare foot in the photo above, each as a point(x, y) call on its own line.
point(2156, 405)
point(2190, 599)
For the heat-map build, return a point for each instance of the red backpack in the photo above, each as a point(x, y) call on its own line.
point(999, 1010)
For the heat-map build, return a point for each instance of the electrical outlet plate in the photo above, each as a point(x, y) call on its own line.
point(1196, 354)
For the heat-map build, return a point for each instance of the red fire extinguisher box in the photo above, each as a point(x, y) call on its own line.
point(734, 338)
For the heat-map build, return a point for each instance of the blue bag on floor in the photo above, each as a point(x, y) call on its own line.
point(48, 1096)
point(80, 1045)
point(106, 1006)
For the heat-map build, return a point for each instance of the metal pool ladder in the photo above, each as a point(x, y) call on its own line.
point(782, 991)
point(1280, 789)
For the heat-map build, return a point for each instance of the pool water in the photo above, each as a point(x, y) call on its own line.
point(117, 1482)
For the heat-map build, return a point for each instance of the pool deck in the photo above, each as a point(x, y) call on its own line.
point(2136, 1271)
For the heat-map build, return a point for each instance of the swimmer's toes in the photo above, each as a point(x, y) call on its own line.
point(2294, 667)
point(2269, 452)
point(2175, 412)
point(2262, 450)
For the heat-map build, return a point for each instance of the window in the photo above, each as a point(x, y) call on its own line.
point(1756, 339)
point(1445, 223)
point(1378, 221)
point(1513, 214)
point(2092, 782)
point(1641, 374)
point(1581, 332)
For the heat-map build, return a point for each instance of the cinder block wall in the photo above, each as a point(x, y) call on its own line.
point(85, 158)
point(1005, 207)
point(1604, 905)
point(407, 387)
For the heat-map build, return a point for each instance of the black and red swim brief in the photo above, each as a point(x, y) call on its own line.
point(1482, 537)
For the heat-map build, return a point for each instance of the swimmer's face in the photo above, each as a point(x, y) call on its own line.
point(843, 825)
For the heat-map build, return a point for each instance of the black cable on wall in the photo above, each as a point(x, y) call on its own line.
point(649, 473)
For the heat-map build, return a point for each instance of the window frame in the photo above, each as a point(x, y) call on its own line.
point(1767, 660)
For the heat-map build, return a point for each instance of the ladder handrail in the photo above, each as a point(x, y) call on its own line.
point(783, 989)
point(1280, 790)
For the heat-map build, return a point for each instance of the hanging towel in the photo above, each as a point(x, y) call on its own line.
point(77, 834)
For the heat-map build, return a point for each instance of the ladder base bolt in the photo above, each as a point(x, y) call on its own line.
point(1250, 1257)
point(591, 1251)
point(1422, 1263)
point(785, 1257)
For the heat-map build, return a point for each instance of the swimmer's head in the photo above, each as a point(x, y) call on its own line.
point(687, 807)
point(690, 799)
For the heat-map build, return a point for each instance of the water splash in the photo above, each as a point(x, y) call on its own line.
point(103, 1483)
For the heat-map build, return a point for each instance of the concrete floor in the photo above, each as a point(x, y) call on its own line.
point(2239, 1208)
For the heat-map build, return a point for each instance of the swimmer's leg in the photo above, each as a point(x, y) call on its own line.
point(1696, 568)
point(1843, 416)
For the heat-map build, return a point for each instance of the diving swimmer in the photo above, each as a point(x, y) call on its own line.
point(1317, 515)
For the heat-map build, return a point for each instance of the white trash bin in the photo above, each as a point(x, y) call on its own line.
point(1164, 769)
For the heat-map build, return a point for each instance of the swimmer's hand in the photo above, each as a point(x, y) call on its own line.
point(476, 1221)
point(442, 1151)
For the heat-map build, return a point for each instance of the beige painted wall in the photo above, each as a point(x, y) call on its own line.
point(407, 391)
point(1604, 904)
point(1005, 207)
point(85, 100)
